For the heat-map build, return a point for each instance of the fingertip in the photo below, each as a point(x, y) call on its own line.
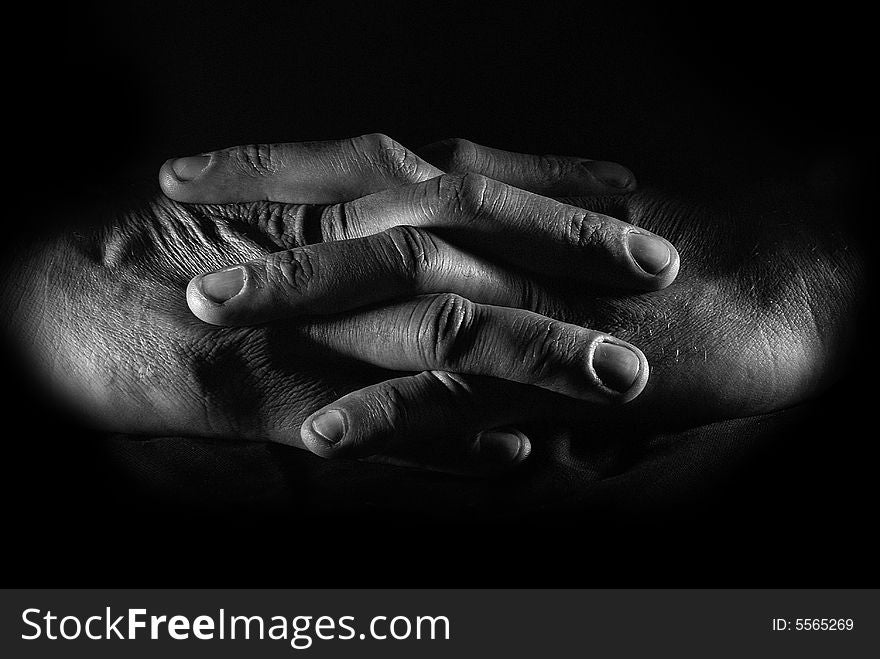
point(670, 272)
point(611, 176)
point(324, 432)
point(653, 256)
point(201, 307)
point(168, 181)
point(620, 369)
point(207, 294)
point(190, 168)
point(177, 175)
point(667, 274)
point(502, 448)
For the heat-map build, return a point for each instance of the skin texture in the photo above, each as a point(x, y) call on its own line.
point(755, 321)
point(392, 241)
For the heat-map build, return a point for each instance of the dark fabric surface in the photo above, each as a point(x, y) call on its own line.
point(659, 470)
point(745, 501)
point(782, 499)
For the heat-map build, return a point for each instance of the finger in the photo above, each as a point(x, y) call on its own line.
point(548, 175)
point(450, 333)
point(301, 172)
point(517, 227)
point(494, 451)
point(441, 419)
point(328, 278)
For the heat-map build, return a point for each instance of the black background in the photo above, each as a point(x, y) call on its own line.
point(695, 99)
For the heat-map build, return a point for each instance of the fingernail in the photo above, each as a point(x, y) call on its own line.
point(330, 425)
point(616, 366)
point(186, 169)
point(651, 253)
point(500, 446)
point(610, 173)
point(221, 286)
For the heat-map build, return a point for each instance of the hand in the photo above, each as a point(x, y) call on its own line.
point(739, 333)
point(439, 333)
point(106, 307)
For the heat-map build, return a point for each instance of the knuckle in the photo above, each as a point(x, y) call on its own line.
point(464, 194)
point(256, 160)
point(453, 385)
point(587, 230)
point(390, 407)
point(463, 155)
point(549, 169)
point(283, 224)
point(293, 269)
point(372, 142)
point(390, 156)
point(335, 222)
point(551, 349)
point(446, 330)
point(372, 145)
point(413, 251)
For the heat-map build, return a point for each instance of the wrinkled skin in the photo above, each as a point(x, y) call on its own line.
point(756, 320)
